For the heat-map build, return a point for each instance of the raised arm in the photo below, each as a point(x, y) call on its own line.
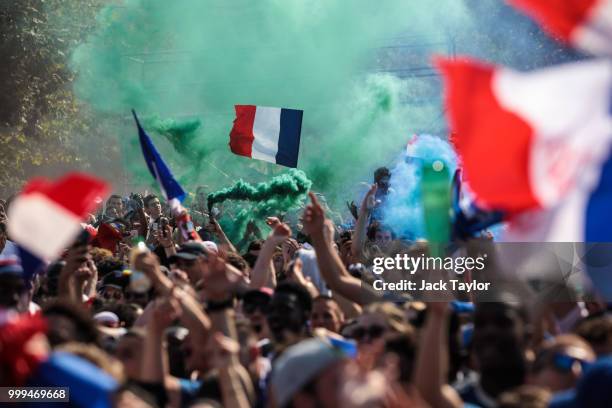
point(359, 235)
point(193, 315)
point(263, 273)
point(330, 265)
point(224, 241)
point(432, 360)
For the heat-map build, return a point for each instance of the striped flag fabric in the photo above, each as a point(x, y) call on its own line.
point(268, 134)
point(46, 217)
point(170, 188)
point(585, 24)
point(536, 141)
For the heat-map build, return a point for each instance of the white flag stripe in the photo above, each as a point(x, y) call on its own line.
point(41, 226)
point(266, 129)
point(595, 34)
point(567, 109)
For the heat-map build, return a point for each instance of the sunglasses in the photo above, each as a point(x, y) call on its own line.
point(112, 295)
point(373, 332)
point(564, 363)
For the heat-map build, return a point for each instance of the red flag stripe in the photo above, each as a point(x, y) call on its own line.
point(76, 192)
point(559, 17)
point(241, 135)
point(493, 143)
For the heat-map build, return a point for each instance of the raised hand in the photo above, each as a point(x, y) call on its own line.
point(220, 279)
point(272, 222)
point(148, 264)
point(353, 209)
point(369, 201)
point(165, 238)
point(165, 311)
point(280, 233)
point(314, 217)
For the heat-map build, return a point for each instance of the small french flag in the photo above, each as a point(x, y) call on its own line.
point(537, 143)
point(586, 24)
point(46, 217)
point(268, 134)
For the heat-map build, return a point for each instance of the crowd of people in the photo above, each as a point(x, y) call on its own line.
point(286, 320)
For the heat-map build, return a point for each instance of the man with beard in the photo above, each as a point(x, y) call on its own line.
point(499, 344)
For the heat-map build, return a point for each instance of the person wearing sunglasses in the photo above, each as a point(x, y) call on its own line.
point(113, 285)
point(378, 322)
point(560, 362)
point(254, 307)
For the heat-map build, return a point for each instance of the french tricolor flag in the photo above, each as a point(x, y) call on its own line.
point(46, 217)
point(534, 141)
point(169, 186)
point(268, 134)
point(586, 24)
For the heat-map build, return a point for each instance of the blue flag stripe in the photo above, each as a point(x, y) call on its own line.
point(157, 167)
point(289, 137)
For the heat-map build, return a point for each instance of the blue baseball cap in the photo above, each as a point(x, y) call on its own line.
point(592, 390)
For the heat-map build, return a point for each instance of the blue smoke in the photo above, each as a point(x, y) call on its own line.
point(403, 208)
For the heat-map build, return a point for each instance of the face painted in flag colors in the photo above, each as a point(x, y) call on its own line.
point(268, 134)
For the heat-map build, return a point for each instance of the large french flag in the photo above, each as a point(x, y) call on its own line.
point(268, 134)
point(46, 217)
point(534, 141)
point(586, 24)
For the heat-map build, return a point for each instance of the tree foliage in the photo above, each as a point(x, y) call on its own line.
point(42, 125)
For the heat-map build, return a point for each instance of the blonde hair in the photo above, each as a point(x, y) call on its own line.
point(394, 316)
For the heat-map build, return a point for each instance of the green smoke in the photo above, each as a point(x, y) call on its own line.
point(282, 192)
point(181, 134)
point(198, 58)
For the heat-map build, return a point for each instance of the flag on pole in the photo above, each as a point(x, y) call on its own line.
point(46, 217)
point(170, 188)
point(585, 24)
point(537, 140)
point(268, 134)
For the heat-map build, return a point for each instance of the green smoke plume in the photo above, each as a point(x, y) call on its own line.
point(341, 61)
point(197, 58)
point(181, 134)
point(282, 192)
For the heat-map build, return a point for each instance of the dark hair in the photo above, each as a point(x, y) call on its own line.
point(148, 199)
point(255, 245)
point(380, 173)
point(107, 265)
point(114, 196)
point(376, 226)
point(237, 262)
point(299, 291)
point(84, 326)
point(404, 346)
point(3, 227)
point(597, 331)
point(126, 312)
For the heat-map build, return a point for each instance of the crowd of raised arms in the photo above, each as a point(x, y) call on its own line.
point(289, 319)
